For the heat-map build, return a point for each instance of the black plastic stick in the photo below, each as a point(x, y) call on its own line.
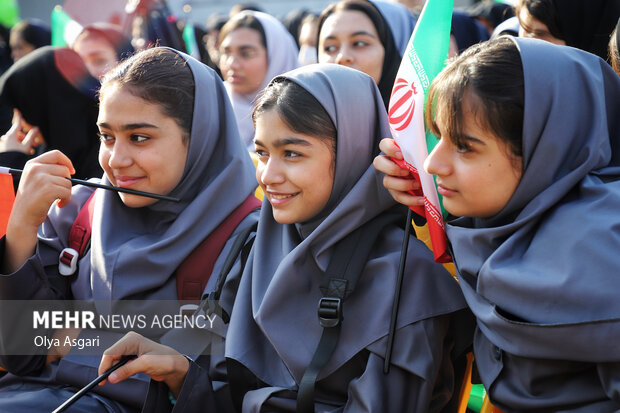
point(12, 171)
point(399, 283)
point(92, 384)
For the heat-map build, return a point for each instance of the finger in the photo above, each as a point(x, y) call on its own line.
point(400, 184)
point(56, 157)
point(384, 164)
point(390, 148)
point(406, 198)
point(132, 367)
point(127, 345)
point(30, 136)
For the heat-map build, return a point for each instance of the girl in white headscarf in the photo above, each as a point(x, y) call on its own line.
point(254, 47)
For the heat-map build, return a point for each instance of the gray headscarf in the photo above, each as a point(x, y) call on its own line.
point(400, 21)
point(134, 252)
point(549, 259)
point(276, 304)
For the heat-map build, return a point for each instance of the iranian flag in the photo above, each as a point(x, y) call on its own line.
point(424, 58)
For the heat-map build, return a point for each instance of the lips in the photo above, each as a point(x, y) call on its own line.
point(127, 181)
point(445, 191)
point(278, 198)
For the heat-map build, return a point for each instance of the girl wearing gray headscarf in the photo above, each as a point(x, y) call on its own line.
point(316, 134)
point(166, 127)
point(531, 163)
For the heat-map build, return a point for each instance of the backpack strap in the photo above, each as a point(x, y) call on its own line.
point(79, 238)
point(337, 284)
point(194, 272)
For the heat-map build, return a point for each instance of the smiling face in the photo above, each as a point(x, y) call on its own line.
point(243, 60)
point(295, 171)
point(141, 147)
point(478, 178)
point(349, 38)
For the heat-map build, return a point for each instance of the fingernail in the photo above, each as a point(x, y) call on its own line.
point(112, 377)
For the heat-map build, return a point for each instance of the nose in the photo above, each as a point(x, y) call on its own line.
point(270, 172)
point(438, 161)
point(119, 155)
point(344, 57)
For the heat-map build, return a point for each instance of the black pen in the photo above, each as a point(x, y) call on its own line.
point(5, 170)
point(92, 384)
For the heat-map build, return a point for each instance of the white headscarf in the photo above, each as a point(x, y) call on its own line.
point(281, 57)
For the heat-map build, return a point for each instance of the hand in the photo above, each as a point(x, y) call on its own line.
point(43, 182)
point(16, 140)
point(398, 181)
point(160, 362)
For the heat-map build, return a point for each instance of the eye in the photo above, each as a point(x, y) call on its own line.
point(360, 43)
point(139, 138)
point(261, 153)
point(329, 49)
point(105, 138)
point(292, 154)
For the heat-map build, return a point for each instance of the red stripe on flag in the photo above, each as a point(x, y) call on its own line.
point(7, 197)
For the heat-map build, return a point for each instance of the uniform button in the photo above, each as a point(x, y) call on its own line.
point(497, 353)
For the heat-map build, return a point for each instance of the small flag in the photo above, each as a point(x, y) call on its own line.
point(64, 28)
point(424, 58)
point(7, 197)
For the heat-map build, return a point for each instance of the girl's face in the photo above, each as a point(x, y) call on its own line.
point(243, 60)
point(19, 47)
point(349, 38)
point(477, 180)
point(530, 26)
point(98, 54)
point(141, 147)
point(295, 171)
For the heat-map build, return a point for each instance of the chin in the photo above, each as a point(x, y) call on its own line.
point(135, 201)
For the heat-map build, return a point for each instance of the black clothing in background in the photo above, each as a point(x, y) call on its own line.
point(53, 90)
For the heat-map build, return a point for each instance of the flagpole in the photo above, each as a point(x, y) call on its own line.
point(397, 290)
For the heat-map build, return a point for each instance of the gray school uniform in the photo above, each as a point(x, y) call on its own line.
point(542, 276)
point(274, 329)
point(134, 252)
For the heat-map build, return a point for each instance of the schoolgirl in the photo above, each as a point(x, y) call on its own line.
point(166, 127)
point(528, 158)
point(254, 47)
point(370, 36)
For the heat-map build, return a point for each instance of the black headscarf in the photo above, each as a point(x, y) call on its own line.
point(587, 25)
point(53, 90)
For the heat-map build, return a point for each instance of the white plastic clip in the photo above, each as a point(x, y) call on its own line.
point(67, 261)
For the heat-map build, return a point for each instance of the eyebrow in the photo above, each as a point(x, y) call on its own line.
point(358, 33)
point(286, 141)
point(474, 140)
point(129, 126)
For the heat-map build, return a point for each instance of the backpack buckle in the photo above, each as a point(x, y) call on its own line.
point(67, 261)
point(330, 311)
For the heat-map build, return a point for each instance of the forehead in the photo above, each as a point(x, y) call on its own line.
point(242, 37)
point(93, 44)
point(346, 23)
point(119, 106)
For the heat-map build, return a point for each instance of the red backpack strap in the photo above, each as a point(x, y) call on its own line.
point(194, 272)
point(79, 238)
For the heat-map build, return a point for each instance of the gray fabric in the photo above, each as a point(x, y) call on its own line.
point(276, 304)
point(542, 275)
point(400, 21)
point(281, 57)
point(128, 244)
